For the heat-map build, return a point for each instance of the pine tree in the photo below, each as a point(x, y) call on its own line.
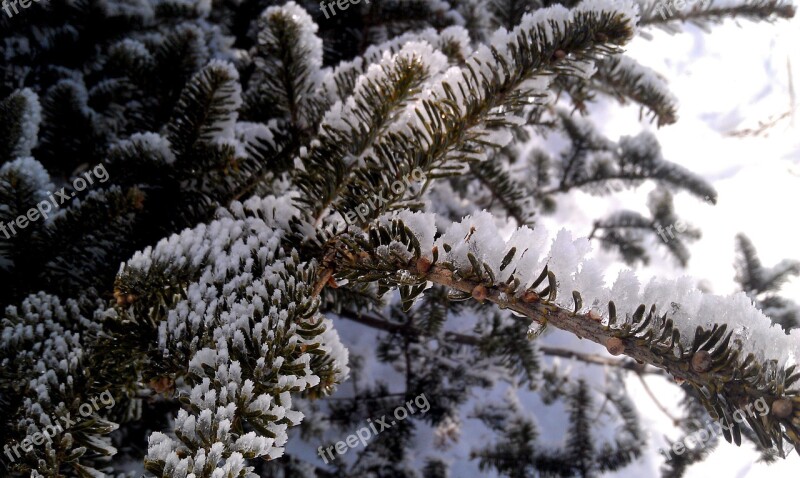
point(263, 173)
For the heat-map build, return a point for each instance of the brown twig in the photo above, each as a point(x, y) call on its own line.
point(675, 421)
point(475, 341)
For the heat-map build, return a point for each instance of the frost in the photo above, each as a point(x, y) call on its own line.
point(306, 42)
point(680, 299)
point(421, 224)
point(41, 345)
point(29, 121)
point(627, 8)
point(458, 86)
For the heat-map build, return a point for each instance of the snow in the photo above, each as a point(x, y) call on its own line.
point(421, 224)
point(537, 27)
point(252, 133)
point(680, 299)
point(754, 177)
point(152, 142)
point(33, 174)
point(550, 19)
point(456, 35)
point(46, 331)
point(247, 236)
point(30, 120)
point(626, 8)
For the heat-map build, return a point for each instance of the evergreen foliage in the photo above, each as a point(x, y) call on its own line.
point(763, 284)
point(201, 283)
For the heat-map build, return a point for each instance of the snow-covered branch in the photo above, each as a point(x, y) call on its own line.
point(722, 346)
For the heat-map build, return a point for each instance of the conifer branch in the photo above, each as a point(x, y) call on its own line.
point(353, 127)
point(734, 390)
point(597, 164)
point(726, 375)
point(625, 231)
point(20, 115)
point(206, 109)
point(288, 59)
point(623, 78)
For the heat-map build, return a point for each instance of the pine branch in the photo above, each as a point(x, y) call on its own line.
point(288, 59)
point(453, 42)
point(206, 110)
point(50, 333)
point(353, 127)
point(763, 284)
point(178, 57)
point(696, 417)
point(627, 443)
point(226, 314)
point(625, 231)
point(580, 446)
point(82, 265)
point(728, 383)
point(24, 184)
point(756, 279)
point(239, 371)
point(623, 78)
point(70, 133)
